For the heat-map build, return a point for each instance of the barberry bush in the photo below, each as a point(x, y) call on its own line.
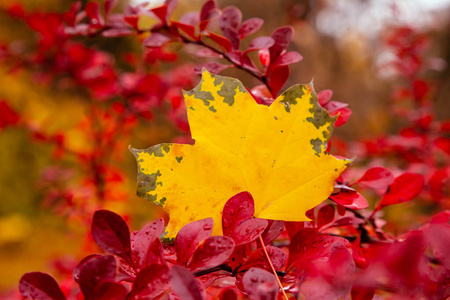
point(263, 202)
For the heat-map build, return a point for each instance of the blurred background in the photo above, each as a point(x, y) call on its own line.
point(64, 137)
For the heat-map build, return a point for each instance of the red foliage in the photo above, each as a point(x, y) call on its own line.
point(343, 251)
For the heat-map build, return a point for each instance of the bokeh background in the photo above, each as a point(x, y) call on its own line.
point(344, 49)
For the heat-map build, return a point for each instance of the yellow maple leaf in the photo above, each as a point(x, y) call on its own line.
point(276, 152)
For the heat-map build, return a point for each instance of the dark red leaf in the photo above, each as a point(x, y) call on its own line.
point(228, 294)
point(92, 11)
point(109, 5)
point(207, 10)
point(377, 178)
point(293, 227)
point(262, 42)
point(186, 28)
point(307, 246)
point(232, 35)
point(272, 231)
point(278, 78)
point(282, 37)
point(185, 285)
point(76, 271)
point(240, 254)
point(108, 290)
point(250, 26)
point(146, 246)
point(260, 284)
point(94, 271)
point(220, 40)
point(258, 259)
point(111, 233)
point(231, 17)
point(325, 215)
point(248, 231)
point(40, 286)
point(150, 282)
point(70, 16)
point(350, 199)
point(238, 208)
point(288, 58)
point(404, 188)
point(156, 40)
point(190, 236)
point(213, 252)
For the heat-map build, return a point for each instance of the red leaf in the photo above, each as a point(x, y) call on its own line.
point(293, 227)
point(250, 26)
point(109, 5)
point(231, 17)
point(272, 231)
point(132, 20)
point(228, 294)
point(207, 9)
point(146, 247)
point(282, 37)
point(258, 259)
point(111, 233)
point(307, 246)
point(325, 215)
point(156, 40)
point(92, 11)
point(288, 58)
point(332, 106)
point(186, 28)
point(376, 178)
point(278, 78)
point(404, 188)
point(213, 252)
point(260, 284)
point(350, 199)
point(150, 282)
point(264, 57)
point(94, 271)
point(108, 290)
point(343, 116)
point(220, 40)
point(238, 209)
point(161, 13)
point(77, 270)
point(262, 42)
point(40, 286)
point(232, 34)
point(7, 115)
point(212, 67)
point(248, 231)
point(70, 16)
point(185, 285)
point(324, 97)
point(190, 236)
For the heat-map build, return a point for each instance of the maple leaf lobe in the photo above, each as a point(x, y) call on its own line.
point(276, 153)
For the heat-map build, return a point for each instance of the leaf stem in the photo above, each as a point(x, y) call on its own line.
point(272, 267)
